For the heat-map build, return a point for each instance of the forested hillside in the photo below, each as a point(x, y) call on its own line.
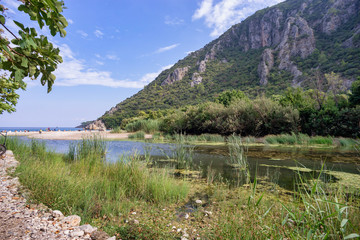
point(291, 44)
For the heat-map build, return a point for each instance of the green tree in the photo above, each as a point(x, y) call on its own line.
point(26, 54)
point(227, 97)
point(335, 85)
point(355, 93)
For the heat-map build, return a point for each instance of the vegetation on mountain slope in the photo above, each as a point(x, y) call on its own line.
point(294, 43)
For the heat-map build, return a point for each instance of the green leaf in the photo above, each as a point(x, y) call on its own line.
point(22, 8)
point(24, 62)
point(20, 25)
point(343, 222)
point(32, 70)
point(309, 234)
point(351, 236)
point(258, 202)
point(62, 32)
point(52, 77)
point(18, 75)
point(2, 19)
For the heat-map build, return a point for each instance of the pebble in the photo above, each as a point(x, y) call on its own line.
point(19, 220)
point(58, 215)
point(198, 201)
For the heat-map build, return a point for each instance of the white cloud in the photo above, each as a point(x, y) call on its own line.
point(173, 21)
point(149, 77)
point(164, 49)
point(112, 57)
point(74, 72)
point(99, 62)
point(224, 14)
point(82, 33)
point(70, 21)
point(98, 33)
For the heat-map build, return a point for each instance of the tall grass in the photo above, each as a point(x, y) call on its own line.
point(117, 130)
point(92, 190)
point(137, 135)
point(183, 153)
point(238, 158)
point(197, 138)
point(323, 213)
point(148, 126)
point(299, 139)
point(314, 212)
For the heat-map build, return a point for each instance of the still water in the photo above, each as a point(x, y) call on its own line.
point(272, 164)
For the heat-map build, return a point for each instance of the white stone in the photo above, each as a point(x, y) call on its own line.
point(57, 214)
point(198, 201)
point(78, 233)
point(73, 220)
point(87, 228)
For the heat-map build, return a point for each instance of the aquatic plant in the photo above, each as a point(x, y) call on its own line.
point(321, 214)
point(321, 140)
point(137, 135)
point(238, 158)
point(182, 153)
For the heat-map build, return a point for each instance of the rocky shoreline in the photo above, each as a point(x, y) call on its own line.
point(21, 220)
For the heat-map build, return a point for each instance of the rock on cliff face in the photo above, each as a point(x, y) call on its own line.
point(177, 75)
point(196, 79)
point(286, 32)
point(266, 64)
point(297, 40)
point(339, 12)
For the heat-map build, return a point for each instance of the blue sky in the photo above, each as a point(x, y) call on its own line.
point(113, 48)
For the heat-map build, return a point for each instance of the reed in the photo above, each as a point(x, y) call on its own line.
point(238, 159)
point(148, 126)
point(137, 135)
point(117, 130)
point(182, 153)
point(321, 140)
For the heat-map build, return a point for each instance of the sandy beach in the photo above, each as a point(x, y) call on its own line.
point(73, 135)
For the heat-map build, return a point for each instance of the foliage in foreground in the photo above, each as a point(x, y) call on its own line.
point(88, 186)
point(29, 55)
point(102, 193)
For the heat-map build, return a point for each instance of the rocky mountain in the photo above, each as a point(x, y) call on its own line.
point(273, 49)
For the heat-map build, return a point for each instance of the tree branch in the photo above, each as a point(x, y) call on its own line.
point(10, 31)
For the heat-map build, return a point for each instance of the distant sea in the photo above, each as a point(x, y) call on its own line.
point(36, 129)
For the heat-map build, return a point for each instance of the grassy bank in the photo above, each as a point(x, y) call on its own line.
point(297, 140)
point(134, 202)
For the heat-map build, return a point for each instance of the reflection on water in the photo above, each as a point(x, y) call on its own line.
point(274, 164)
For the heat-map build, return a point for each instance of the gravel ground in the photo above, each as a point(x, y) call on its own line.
point(21, 220)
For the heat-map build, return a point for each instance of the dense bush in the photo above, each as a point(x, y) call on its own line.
point(331, 121)
point(259, 117)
